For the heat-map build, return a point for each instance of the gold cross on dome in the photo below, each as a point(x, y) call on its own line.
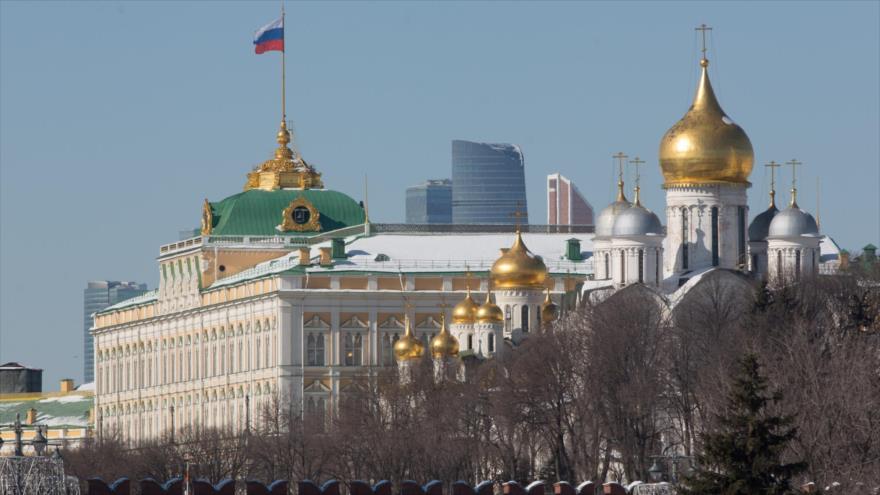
point(518, 214)
point(703, 28)
point(794, 164)
point(773, 166)
point(636, 162)
point(621, 159)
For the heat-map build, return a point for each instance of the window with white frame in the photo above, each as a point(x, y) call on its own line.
point(352, 349)
point(315, 349)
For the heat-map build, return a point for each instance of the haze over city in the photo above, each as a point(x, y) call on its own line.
point(119, 118)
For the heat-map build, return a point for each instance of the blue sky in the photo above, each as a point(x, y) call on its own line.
point(117, 119)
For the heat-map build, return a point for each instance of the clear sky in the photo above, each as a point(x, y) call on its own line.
point(117, 119)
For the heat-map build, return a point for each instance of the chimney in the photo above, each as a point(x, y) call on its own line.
point(31, 417)
point(67, 385)
point(326, 256)
point(305, 256)
point(844, 259)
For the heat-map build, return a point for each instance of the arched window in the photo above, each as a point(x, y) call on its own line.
point(388, 349)
point(491, 342)
point(622, 267)
point(657, 266)
point(524, 317)
point(257, 354)
point(470, 341)
point(352, 349)
point(684, 239)
point(315, 350)
point(779, 265)
point(714, 236)
point(797, 264)
point(754, 262)
point(607, 266)
point(641, 265)
point(266, 350)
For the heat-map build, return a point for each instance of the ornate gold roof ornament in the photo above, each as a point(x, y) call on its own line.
point(301, 216)
point(207, 218)
point(705, 146)
point(286, 169)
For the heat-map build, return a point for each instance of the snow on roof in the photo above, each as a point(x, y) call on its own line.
point(413, 253)
point(828, 249)
point(70, 409)
point(146, 297)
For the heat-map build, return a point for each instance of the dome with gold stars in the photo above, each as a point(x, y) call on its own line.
point(408, 347)
point(465, 312)
point(518, 268)
point(705, 146)
point(444, 344)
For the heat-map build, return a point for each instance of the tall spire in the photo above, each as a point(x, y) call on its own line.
point(773, 166)
point(621, 160)
point(636, 162)
point(794, 164)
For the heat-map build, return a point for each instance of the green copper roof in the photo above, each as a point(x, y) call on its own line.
point(258, 212)
point(70, 409)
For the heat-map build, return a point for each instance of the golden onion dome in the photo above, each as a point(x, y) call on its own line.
point(705, 146)
point(444, 344)
point(408, 347)
point(518, 268)
point(489, 312)
point(549, 310)
point(465, 312)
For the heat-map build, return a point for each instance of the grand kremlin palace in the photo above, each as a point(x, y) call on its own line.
point(291, 292)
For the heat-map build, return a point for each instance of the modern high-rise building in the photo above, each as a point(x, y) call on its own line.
point(565, 204)
point(429, 202)
point(488, 183)
point(98, 295)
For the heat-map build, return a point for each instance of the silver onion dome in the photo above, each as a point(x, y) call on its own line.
point(760, 226)
point(636, 220)
point(606, 218)
point(793, 222)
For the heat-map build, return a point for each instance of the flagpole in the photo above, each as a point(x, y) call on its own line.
point(283, 50)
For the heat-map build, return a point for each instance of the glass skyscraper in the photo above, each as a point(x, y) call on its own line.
point(488, 183)
point(430, 202)
point(98, 295)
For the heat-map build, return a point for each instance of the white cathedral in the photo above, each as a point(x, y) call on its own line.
point(290, 291)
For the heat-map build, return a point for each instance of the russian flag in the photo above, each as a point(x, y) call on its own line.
point(270, 37)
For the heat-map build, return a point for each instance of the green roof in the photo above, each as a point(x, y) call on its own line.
point(258, 212)
point(70, 409)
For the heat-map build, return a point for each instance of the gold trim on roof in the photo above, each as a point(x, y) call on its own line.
point(207, 218)
point(288, 222)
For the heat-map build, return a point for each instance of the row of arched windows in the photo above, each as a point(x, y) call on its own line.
point(238, 348)
point(233, 407)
